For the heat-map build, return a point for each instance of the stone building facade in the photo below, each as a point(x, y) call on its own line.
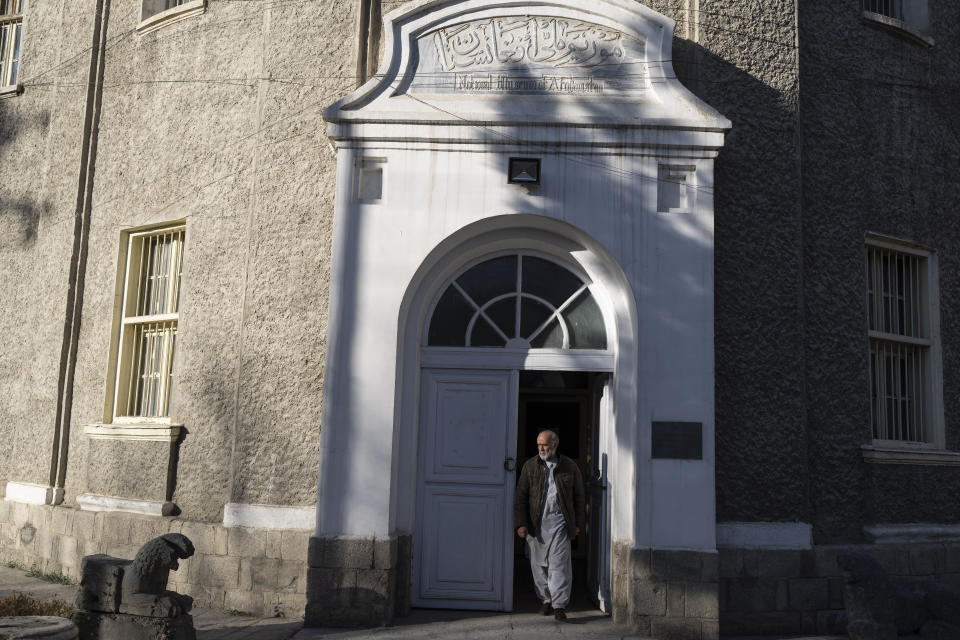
point(757, 201)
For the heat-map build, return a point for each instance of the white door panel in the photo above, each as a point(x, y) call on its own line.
point(468, 439)
point(465, 550)
point(465, 495)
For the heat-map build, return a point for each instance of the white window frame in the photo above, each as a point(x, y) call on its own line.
point(131, 319)
point(927, 344)
point(159, 13)
point(11, 43)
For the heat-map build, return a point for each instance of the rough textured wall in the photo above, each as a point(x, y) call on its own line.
point(741, 58)
point(216, 120)
point(880, 146)
point(748, 71)
point(288, 273)
point(41, 133)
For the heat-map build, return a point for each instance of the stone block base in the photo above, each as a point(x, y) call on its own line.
point(258, 571)
point(357, 582)
point(670, 595)
point(800, 591)
point(121, 626)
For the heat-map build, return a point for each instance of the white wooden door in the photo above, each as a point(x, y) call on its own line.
point(463, 556)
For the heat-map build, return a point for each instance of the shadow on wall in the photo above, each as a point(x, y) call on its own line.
point(19, 215)
point(761, 446)
point(20, 220)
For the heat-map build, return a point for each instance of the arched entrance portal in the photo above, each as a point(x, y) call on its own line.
point(426, 191)
point(513, 341)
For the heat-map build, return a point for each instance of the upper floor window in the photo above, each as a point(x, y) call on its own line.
point(156, 13)
point(902, 314)
point(153, 7)
point(910, 18)
point(11, 35)
point(520, 301)
point(148, 323)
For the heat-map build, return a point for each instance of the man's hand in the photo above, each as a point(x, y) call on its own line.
point(522, 532)
point(577, 532)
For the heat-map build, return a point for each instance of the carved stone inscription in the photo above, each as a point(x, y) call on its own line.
point(472, 83)
point(520, 40)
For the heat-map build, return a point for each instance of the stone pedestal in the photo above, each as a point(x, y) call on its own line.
point(666, 593)
point(122, 626)
point(357, 582)
point(37, 628)
point(101, 583)
point(129, 598)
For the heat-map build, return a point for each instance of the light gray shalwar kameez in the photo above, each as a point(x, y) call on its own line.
point(550, 559)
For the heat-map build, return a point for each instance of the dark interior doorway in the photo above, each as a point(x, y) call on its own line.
point(566, 402)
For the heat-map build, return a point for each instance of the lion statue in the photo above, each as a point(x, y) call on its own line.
point(144, 589)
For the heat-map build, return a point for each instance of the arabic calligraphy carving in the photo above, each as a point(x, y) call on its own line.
point(549, 42)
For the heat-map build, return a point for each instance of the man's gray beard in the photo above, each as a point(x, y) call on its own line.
point(545, 455)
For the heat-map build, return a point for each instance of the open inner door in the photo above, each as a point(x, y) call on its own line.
point(568, 403)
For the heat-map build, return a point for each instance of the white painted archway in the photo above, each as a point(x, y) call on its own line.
point(575, 250)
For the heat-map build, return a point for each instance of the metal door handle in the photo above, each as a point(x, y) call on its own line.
point(509, 464)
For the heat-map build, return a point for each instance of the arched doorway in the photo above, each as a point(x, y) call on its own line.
point(512, 340)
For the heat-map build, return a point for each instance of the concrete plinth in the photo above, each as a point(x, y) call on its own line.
point(122, 626)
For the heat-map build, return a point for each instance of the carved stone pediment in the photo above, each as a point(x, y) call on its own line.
point(605, 63)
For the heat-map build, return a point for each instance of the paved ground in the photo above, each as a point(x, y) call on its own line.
point(426, 624)
point(421, 624)
point(433, 624)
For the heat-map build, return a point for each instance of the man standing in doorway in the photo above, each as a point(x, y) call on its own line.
point(549, 512)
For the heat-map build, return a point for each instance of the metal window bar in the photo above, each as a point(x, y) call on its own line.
point(154, 286)
point(898, 390)
point(11, 32)
point(150, 378)
point(4, 35)
point(898, 346)
point(889, 8)
point(10, 9)
point(894, 292)
point(158, 283)
point(15, 54)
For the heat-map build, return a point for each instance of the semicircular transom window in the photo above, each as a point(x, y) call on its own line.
point(517, 301)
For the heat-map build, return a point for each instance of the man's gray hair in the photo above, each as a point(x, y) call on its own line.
point(554, 438)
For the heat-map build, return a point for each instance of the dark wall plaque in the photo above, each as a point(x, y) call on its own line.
point(678, 440)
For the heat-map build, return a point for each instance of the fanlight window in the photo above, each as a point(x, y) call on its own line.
point(517, 301)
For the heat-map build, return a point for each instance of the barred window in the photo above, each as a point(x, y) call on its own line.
point(902, 340)
point(156, 13)
point(890, 8)
point(907, 18)
point(11, 35)
point(148, 332)
point(153, 7)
